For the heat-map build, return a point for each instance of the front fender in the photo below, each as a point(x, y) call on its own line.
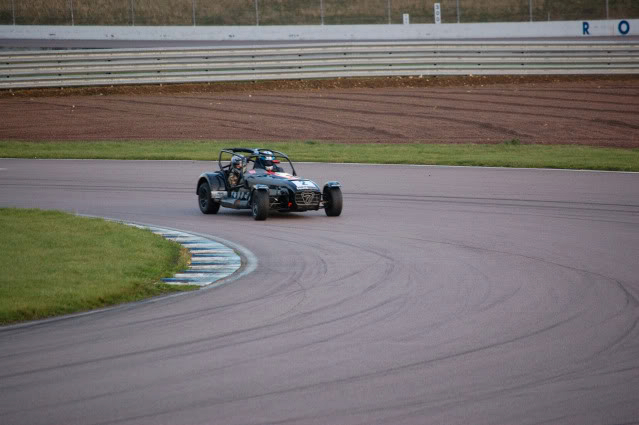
point(331, 184)
point(215, 181)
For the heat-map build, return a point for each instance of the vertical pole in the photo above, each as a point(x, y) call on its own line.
point(13, 11)
point(257, 13)
point(132, 11)
point(71, 7)
point(322, 11)
point(530, 9)
point(390, 6)
point(607, 14)
point(193, 9)
point(457, 11)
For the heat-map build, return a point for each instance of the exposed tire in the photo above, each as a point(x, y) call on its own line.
point(204, 201)
point(260, 205)
point(333, 201)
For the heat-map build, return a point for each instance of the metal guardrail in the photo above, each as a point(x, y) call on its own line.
point(34, 69)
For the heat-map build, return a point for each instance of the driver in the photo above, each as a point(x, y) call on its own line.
point(238, 165)
point(267, 161)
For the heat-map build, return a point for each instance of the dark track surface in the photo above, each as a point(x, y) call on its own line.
point(441, 295)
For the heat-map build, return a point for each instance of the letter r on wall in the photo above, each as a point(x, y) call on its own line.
point(586, 27)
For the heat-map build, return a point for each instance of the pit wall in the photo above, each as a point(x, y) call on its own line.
point(585, 29)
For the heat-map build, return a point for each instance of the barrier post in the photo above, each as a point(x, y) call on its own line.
point(132, 12)
point(322, 11)
point(71, 7)
point(457, 11)
point(13, 11)
point(193, 10)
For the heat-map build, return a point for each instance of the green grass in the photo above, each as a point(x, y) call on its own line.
point(54, 263)
point(507, 154)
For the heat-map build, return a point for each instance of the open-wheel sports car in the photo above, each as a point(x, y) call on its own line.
point(263, 180)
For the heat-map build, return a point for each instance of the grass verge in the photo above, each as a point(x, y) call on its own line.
point(55, 263)
point(508, 154)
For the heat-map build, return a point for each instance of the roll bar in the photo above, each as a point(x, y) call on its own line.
point(252, 155)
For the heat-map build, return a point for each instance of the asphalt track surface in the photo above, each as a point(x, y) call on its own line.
point(441, 296)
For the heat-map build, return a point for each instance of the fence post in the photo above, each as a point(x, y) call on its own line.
point(607, 14)
point(457, 11)
point(530, 9)
point(390, 6)
point(193, 9)
point(132, 12)
point(71, 7)
point(13, 11)
point(322, 11)
point(257, 14)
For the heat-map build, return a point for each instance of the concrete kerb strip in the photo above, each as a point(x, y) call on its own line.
point(231, 256)
point(214, 261)
point(211, 261)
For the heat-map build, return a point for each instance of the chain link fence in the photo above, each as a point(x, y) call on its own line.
point(304, 12)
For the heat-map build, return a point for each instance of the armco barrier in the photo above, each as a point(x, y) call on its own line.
point(155, 66)
point(319, 33)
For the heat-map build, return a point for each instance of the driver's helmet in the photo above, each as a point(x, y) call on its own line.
point(238, 163)
point(267, 158)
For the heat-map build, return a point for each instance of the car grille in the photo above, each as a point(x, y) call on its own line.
point(307, 198)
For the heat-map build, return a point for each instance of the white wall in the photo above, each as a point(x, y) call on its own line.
point(327, 32)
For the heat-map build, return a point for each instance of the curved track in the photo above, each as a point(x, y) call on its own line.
point(441, 295)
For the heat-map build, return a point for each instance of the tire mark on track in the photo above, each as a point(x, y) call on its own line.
point(326, 384)
point(514, 202)
point(213, 371)
point(196, 342)
point(85, 188)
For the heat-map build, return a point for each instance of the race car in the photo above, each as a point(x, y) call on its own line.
point(263, 180)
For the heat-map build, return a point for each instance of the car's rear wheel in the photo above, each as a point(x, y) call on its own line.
point(260, 205)
point(206, 204)
point(332, 201)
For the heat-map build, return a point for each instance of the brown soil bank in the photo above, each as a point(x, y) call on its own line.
point(597, 111)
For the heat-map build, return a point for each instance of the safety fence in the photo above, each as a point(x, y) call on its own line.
point(305, 12)
point(30, 69)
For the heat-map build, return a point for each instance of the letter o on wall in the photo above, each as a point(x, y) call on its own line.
point(623, 27)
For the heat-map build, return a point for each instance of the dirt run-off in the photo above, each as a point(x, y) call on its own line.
point(597, 111)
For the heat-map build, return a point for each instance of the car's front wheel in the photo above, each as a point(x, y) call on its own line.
point(260, 205)
point(206, 204)
point(332, 201)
